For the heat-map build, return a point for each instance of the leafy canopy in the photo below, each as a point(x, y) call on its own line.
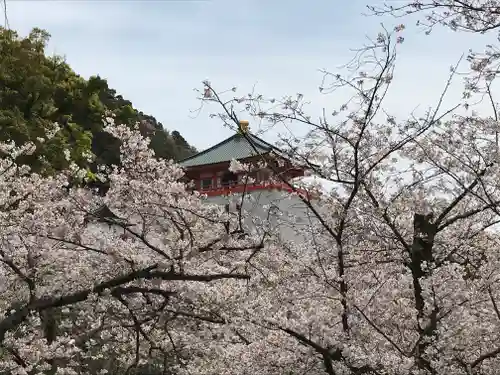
point(37, 90)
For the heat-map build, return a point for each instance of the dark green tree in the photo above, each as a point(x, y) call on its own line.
point(37, 90)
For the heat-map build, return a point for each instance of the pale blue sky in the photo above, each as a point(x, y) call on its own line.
point(155, 52)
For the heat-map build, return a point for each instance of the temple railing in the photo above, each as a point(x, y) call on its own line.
point(240, 188)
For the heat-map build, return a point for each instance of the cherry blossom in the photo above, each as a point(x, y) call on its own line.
point(85, 292)
point(391, 267)
point(394, 267)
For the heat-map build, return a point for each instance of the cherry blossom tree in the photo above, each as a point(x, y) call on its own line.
point(479, 16)
point(397, 271)
point(392, 270)
point(83, 292)
point(473, 16)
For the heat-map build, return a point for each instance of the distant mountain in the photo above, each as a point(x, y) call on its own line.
point(36, 90)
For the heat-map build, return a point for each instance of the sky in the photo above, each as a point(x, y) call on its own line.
point(155, 53)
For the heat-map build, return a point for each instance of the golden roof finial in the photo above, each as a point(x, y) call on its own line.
point(243, 126)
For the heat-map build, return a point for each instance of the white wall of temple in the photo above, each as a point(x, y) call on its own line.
point(270, 207)
point(276, 208)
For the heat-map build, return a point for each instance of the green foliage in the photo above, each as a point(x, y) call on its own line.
point(37, 90)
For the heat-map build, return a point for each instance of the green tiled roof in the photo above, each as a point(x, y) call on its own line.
point(236, 147)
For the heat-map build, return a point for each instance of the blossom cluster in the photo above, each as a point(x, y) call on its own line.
point(93, 284)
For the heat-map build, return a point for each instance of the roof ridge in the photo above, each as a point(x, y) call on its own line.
point(252, 143)
point(209, 149)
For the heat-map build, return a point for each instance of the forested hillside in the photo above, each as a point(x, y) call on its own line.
point(37, 90)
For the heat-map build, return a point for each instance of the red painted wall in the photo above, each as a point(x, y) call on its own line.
point(214, 171)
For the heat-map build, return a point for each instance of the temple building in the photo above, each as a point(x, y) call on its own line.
point(264, 197)
point(209, 169)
